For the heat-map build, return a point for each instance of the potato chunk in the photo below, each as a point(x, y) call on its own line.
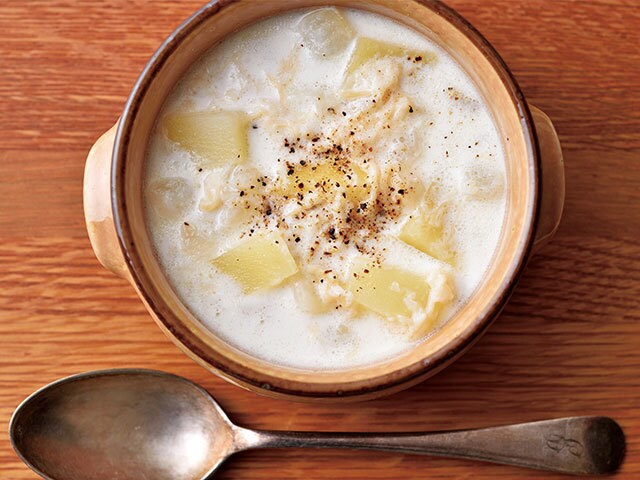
point(425, 230)
point(368, 49)
point(327, 180)
point(388, 291)
point(170, 197)
point(258, 263)
point(196, 243)
point(219, 138)
point(441, 295)
point(325, 31)
point(482, 182)
point(307, 297)
point(212, 191)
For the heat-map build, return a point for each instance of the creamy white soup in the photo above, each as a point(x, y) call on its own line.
point(325, 188)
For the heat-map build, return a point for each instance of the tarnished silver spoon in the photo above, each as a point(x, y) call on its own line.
point(143, 424)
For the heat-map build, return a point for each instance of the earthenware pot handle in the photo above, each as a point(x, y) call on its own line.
point(98, 213)
point(552, 201)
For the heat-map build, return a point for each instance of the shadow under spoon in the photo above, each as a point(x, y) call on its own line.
point(132, 424)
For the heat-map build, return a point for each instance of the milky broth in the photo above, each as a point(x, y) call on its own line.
point(436, 134)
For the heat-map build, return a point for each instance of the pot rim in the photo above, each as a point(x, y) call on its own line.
point(376, 384)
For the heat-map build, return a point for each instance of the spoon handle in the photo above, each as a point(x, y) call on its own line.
point(576, 445)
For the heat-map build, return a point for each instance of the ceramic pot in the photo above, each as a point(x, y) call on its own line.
point(115, 215)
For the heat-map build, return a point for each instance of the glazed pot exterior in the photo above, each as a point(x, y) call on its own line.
point(115, 215)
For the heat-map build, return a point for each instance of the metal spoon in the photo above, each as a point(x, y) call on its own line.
point(134, 424)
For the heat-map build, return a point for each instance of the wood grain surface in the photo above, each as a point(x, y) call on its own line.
point(567, 344)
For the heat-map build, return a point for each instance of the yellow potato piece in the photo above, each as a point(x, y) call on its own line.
point(368, 49)
point(258, 263)
point(388, 291)
point(220, 138)
point(425, 231)
point(327, 180)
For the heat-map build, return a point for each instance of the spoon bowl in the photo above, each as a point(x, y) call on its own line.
point(143, 424)
point(125, 424)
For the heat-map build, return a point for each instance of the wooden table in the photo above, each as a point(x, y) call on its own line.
point(567, 344)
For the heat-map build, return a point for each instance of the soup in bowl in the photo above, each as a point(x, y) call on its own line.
point(324, 201)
